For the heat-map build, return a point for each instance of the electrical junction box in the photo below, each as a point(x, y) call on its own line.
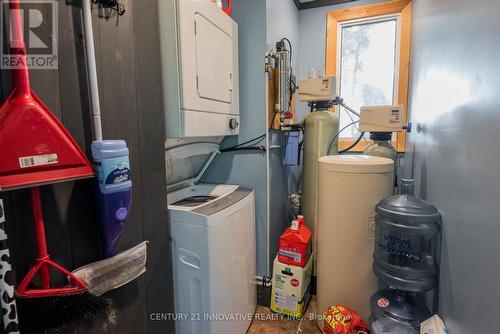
point(290, 292)
point(199, 67)
point(381, 119)
point(317, 89)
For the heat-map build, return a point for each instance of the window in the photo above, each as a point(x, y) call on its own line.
point(368, 52)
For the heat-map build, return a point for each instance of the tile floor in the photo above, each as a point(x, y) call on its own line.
point(266, 322)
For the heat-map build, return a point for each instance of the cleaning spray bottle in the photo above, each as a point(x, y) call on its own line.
point(114, 190)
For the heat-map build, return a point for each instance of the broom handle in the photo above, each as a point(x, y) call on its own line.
point(20, 74)
point(41, 242)
point(92, 69)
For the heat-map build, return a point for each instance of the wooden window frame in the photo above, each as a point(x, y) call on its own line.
point(401, 7)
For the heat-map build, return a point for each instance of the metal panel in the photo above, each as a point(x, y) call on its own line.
point(455, 106)
point(279, 215)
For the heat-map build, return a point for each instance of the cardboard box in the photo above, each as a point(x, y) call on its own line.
point(290, 292)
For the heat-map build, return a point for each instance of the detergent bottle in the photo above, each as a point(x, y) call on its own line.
point(114, 190)
point(295, 244)
point(300, 219)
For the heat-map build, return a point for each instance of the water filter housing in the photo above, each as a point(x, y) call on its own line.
point(114, 190)
point(291, 156)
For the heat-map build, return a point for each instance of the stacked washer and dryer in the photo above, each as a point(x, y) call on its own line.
point(212, 226)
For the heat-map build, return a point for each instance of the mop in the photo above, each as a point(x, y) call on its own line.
point(116, 270)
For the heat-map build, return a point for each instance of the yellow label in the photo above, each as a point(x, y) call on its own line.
point(288, 305)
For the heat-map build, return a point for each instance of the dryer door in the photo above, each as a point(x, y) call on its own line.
point(209, 53)
point(214, 61)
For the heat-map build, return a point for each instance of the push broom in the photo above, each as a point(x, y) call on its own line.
point(45, 308)
point(37, 150)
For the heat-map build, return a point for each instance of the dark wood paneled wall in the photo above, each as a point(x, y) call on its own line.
point(128, 59)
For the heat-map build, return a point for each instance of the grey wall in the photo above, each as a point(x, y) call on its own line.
point(456, 107)
point(131, 101)
point(249, 168)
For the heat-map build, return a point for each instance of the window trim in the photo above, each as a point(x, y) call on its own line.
point(336, 17)
point(375, 19)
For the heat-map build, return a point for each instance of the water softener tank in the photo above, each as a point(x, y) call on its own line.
point(320, 128)
point(381, 146)
point(114, 190)
point(349, 187)
point(407, 241)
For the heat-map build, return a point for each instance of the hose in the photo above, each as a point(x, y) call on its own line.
point(338, 133)
point(247, 148)
point(353, 144)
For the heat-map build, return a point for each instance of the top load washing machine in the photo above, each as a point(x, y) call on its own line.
point(213, 246)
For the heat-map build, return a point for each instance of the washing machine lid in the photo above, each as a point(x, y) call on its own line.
point(185, 164)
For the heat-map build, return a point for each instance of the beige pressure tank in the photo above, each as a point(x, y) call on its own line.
point(349, 187)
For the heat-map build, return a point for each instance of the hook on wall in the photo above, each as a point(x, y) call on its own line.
point(112, 4)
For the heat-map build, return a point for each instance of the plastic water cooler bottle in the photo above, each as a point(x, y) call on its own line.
point(114, 190)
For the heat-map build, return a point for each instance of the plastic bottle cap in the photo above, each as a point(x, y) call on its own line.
point(300, 219)
point(295, 225)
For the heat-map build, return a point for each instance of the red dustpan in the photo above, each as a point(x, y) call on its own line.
point(35, 148)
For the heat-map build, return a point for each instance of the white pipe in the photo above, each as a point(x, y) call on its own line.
point(268, 185)
point(265, 281)
point(92, 69)
point(349, 109)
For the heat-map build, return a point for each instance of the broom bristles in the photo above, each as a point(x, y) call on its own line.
point(50, 314)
